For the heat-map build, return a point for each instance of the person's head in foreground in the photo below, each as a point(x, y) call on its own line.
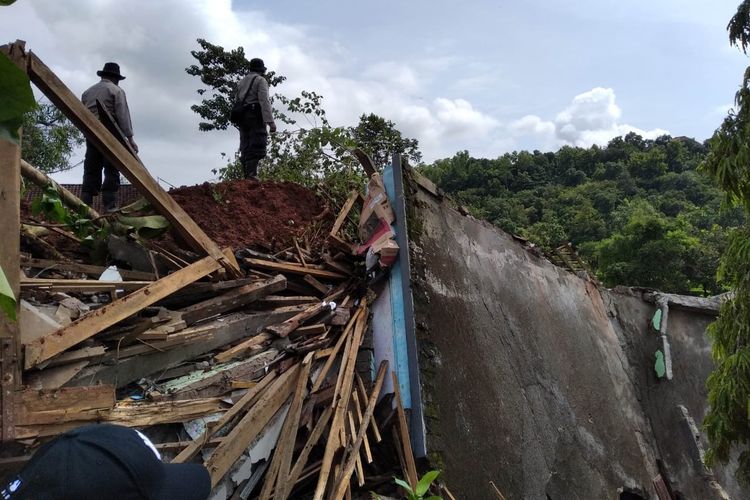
point(105, 462)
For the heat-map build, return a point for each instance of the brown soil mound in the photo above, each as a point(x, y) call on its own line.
point(247, 213)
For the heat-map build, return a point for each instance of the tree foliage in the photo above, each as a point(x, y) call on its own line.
point(637, 210)
point(308, 149)
point(727, 422)
point(49, 139)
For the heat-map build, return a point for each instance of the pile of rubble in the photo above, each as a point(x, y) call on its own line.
point(244, 358)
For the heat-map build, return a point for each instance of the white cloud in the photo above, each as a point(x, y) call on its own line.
point(152, 44)
point(591, 118)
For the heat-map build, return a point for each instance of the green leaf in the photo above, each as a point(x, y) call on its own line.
point(137, 206)
point(659, 365)
point(424, 484)
point(147, 226)
point(656, 320)
point(5, 3)
point(404, 485)
point(16, 98)
point(7, 298)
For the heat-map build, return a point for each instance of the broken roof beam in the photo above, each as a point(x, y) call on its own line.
point(123, 160)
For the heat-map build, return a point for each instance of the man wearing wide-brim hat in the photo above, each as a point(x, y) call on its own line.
point(113, 98)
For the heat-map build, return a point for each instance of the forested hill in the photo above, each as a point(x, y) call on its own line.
point(638, 211)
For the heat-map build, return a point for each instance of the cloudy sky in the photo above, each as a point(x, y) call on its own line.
point(488, 76)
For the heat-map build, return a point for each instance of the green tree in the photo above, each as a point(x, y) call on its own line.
point(379, 138)
point(728, 161)
point(49, 139)
point(309, 149)
point(650, 250)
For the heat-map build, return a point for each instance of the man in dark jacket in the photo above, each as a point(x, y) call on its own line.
point(113, 97)
point(253, 90)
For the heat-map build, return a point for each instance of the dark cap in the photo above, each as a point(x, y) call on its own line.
point(105, 462)
point(112, 70)
point(257, 65)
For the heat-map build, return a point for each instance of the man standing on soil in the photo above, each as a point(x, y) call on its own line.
point(113, 99)
point(253, 91)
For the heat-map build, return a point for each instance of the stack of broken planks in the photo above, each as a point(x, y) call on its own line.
point(256, 376)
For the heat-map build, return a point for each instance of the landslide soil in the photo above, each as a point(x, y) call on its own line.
point(247, 213)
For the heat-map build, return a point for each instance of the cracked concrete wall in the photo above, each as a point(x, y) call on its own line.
point(526, 381)
point(691, 357)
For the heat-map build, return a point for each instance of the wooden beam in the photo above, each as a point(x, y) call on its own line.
point(323, 289)
point(56, 406)
point(77, 267)
point(344, 212)
point(342, 483)
point(10, 228)
point(332, 358)
point(117, 155)
point(282, 457)
point(42, 180)
point(403, 426)
point(233, 299)
point(294, 269)
point(190, 343)
point(288, 326)
point(94, 322)
point(80, 285)
point(242, 348)
point(341, 406)
point(315, 435)
point(239, 407)
point(251, 425)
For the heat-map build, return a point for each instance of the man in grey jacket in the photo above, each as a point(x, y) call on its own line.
point(253, 90)
point(113, 98)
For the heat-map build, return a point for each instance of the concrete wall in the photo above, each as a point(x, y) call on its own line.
point(527, 378)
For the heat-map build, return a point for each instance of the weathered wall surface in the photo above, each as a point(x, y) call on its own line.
point(660, 400)
point(528, 378)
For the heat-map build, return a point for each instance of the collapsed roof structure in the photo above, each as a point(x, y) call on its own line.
point(254, 359)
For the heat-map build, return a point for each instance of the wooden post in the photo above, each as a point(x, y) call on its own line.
point(10, 253)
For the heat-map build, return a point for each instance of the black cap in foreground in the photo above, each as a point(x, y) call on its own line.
point(107, 462)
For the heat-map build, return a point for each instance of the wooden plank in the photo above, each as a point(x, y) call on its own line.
point(278, 300)
point(239, 407)
point(342, 483)
point(358, 461)
point(294, 269)
point(96, 321)
point(53, 378)
point(341, 406)
point(10, 228)
point(332, 358)
point(88, 269)
point(52, 406)
point(304, 454)
point(218, 376)
point(365, 161)
point(242, 348)
point(199, 340)
point(341, 267)
point(62, 285)
point(130, 414)
point(323, 289)
point(282, 457)
point(288, 326)
point(344, 212)
point(85, 354)
point(497, 491)
point(118, 156)
point(233, 299)
point(251, 425)
point(360, 419)
point(363, 395)
point(411, 467)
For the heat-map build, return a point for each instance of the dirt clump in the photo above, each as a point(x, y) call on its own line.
point(247, 213)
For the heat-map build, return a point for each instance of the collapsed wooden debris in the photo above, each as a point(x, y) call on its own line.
point(249, 358)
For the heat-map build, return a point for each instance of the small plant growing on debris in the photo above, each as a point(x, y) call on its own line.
point(423, 486)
